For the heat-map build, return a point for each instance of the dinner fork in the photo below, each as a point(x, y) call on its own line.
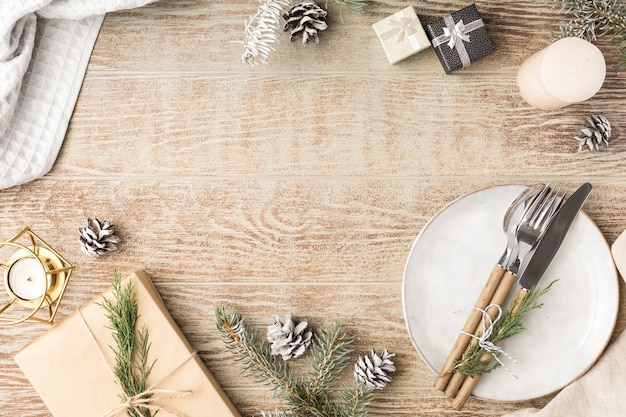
point(529, 231)
point(522, 206)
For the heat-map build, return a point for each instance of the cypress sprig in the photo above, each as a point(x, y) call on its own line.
point(311, 395)
point(593, 19)
point(509, 325)
point(132, 346)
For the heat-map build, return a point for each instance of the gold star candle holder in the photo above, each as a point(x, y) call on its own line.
point(35, 279)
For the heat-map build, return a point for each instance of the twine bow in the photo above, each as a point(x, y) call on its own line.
point(487, 330)
point(456, 33)
point(143, 401)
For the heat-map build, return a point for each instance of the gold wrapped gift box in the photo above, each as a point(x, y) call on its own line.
point(70, 366)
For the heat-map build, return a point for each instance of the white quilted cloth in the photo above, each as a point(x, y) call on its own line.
point(45, 47)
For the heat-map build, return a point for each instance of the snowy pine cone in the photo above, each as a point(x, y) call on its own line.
point(372, 369)
point(304, 20)
point(288, 339)
point(98, 238)
point(596, 131)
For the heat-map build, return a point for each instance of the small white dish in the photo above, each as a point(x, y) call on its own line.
point(449, 264)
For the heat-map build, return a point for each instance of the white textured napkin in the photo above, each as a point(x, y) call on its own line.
point(601, 392)
point(45, 46)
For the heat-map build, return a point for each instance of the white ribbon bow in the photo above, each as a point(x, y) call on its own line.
point(403, 26)
point(459, 32)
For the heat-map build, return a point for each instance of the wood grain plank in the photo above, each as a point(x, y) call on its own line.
point(202, 36)
point(329, 125)
point(274, 230)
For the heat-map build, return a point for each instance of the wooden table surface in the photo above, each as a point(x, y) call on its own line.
point(297, 186)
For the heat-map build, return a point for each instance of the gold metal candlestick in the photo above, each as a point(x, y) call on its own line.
point(35, 278)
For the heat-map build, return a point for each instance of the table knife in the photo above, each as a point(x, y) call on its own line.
point(551, 241)
point(533, 272)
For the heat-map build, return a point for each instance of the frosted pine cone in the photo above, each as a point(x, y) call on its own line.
point(288, 340)
point(304, 20)
point(372, 370)
point(98, 238)
point(596, 131)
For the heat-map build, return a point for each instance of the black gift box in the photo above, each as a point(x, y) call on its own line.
point(465, 30)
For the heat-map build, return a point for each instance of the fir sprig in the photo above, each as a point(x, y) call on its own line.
point(593, 19)
point(472, 362)
point(262, 31)
point(132, 346)
point(308, 396)
point(354, 6)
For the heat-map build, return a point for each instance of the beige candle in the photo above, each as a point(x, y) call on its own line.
point(569, 71)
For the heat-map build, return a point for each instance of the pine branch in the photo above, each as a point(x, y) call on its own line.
point(509, 325)
point(594, 19)
point(330, 353)
point(258, 361)
point(354, 6)
point(310, 396)
point(131, 347)
point(262, 30)
point(356, 399)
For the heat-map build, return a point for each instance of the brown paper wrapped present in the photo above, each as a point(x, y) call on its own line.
point(71, 365)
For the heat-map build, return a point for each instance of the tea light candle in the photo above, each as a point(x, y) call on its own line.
point(569, 71)
point(27, 279)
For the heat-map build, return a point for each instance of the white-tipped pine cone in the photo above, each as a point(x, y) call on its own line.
point(596, 131)
point(372, 370)
point(289, 340)
point(98, 238)
point(304, 20)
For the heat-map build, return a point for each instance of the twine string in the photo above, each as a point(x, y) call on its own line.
point(143, 399)
point(484, 340)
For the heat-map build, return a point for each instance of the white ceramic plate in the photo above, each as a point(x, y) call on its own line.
point(448, 266)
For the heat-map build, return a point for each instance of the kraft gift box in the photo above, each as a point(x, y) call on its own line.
point(71, 365)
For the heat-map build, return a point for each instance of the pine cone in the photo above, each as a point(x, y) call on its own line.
point(304, 19)
point(288, 340)
point(372, 370)
point(98, 238)
point(597, 130)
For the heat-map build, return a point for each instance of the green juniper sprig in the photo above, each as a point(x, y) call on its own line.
point(593, 19)
point(510, 324)
point(132, 346)
point(310, 395)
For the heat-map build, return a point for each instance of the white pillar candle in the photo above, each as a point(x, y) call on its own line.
point(27, 279)
point(569, 71)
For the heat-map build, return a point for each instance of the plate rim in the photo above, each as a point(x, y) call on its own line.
point(611, 325)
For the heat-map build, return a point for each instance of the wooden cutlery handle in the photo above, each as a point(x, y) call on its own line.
point(469, 383)
point(470, 326)
point(453, 388)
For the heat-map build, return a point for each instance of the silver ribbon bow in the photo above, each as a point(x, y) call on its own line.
point(458, 32)
point(455, 35)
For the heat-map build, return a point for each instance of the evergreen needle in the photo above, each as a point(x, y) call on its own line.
point(593, 19)
point(309, 396)
point(131, 346)
point(510, 324)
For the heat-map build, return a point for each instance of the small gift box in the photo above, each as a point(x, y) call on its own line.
point(71, 366)
point(401, 35)
point(460, 38)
